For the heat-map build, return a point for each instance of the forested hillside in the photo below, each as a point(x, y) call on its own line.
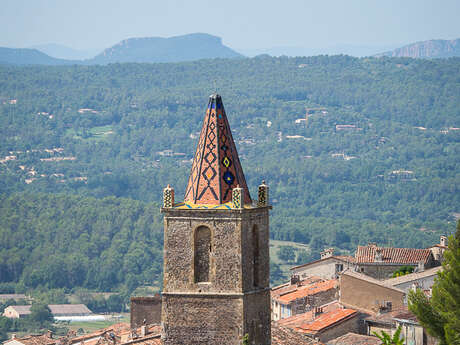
point(376, 159)
point(64, 241)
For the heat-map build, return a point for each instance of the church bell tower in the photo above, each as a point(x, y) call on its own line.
point(216, 259)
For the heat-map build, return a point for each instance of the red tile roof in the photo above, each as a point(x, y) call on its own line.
point(367, 254)
point(304, 323)
point(308, 290)
point(44, 339)
point(343, 258)
point(355, 339)
point(288, 287)
point(285, 336)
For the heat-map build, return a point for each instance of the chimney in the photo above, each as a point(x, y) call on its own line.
point(443, 241)
point(318, 311)
point(49, 334)
point(143, 331)
point(327, 253)
point(378, 255)
point(13, 336)
point(295, 279)
point(420, 266)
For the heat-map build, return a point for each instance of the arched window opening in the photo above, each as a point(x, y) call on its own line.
point(202, 254)
point(255, 247)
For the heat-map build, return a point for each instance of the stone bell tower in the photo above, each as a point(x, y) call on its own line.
point(216, 260)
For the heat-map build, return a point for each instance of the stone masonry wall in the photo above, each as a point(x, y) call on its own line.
point(366, 295)
point(257, 318)
point(347, 326)
point(202, 320)
point(145, 308)
point(228, 305)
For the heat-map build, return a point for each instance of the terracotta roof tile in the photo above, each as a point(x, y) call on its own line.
point(44, 339)
point(327, 319)
point(67, 309)
point(307, 290)
point(414, 276)
point(285, 336)
point(288, 287)
point(367, 254)
point(306, 324)
point(343, 258)
point(355, 339)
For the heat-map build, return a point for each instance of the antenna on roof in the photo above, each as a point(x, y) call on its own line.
point(215, 86)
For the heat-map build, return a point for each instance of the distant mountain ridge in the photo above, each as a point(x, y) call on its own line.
point(60, 51)
point(149, 50)
point(174, 49)
point(27, 56)
point(427, 49)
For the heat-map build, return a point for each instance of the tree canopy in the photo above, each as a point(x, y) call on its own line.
point(440, 315)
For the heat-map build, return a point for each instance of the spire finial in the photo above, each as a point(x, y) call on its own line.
point(262, 195)
point(168, 197)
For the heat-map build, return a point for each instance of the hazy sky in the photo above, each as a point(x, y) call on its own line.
point(90, 24)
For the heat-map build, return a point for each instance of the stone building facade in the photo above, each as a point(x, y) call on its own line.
point(216, 257)
point(145, 311)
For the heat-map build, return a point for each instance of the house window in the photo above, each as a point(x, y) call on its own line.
point(202, 256)
point(255, 255)
point(338, 267)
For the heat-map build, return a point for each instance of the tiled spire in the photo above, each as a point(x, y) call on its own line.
point(216, 168)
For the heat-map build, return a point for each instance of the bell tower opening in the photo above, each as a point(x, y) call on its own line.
point(202, 254)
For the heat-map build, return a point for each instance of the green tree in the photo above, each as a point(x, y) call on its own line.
point(388, 340)
point(441, 315)
point(40, 313)
point(286, 253)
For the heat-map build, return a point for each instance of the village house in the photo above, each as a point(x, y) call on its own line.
point(324, 323)
point(439, 249)
point(328, 267)
point(16, 311)
point(59, 311)
point(355, 339)
point(382, 262)
point(412, 332)
point(367, 294)
point(44, 339)
point(423, 280)
point(300, 296)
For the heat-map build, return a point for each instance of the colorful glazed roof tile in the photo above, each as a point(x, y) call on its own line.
point(367, 254)
point(216, 168)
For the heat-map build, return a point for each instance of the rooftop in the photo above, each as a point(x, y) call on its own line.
point(285, 336)
point(216, 167)
point(414, 276)
point(343, 258)
point(355, 339)
point(370, 280)
point(61, 309)
point(307, 290)
point(305, 324)
point(371, 253)
point(44, 339)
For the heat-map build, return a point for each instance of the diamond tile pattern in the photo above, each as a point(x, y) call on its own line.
point(216, 168)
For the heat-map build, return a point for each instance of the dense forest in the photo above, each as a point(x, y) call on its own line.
point(354, 150)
